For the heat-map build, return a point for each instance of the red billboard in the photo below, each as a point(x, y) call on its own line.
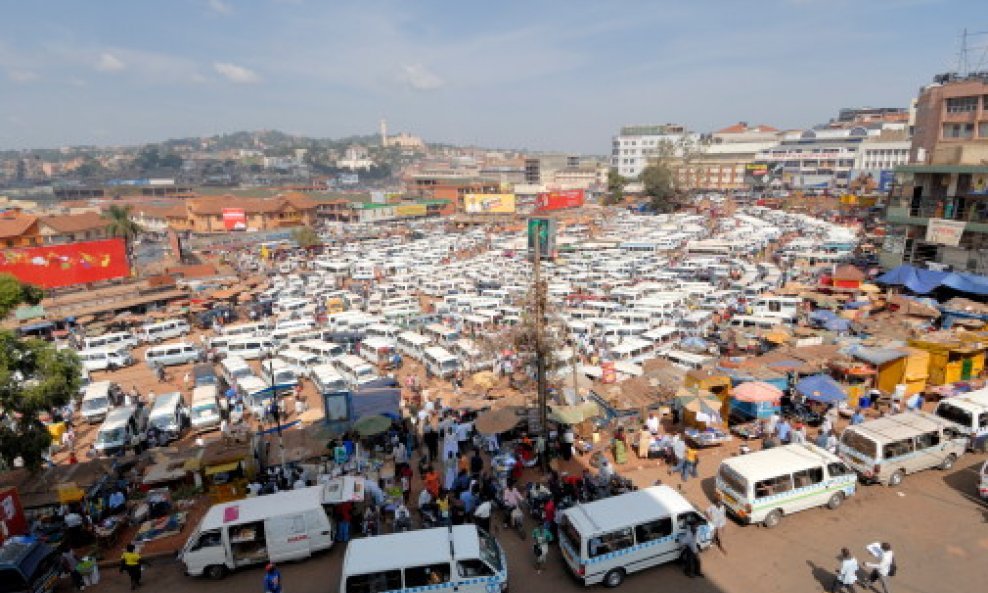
point(234, 219)
point(53, 266)
point(557, 200)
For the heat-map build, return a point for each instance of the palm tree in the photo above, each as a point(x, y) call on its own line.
point(119, 224)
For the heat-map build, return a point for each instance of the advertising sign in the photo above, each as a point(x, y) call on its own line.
point(761, 174)
point(410, 210)
point(234, 219)
point(557, 200)
point(542, 230)
point(944, 232)
point(54, 266)
point(885, 180)
point(894, 244)
point(489, 203)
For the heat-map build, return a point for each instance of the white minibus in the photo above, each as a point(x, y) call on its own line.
point(164, 330)
point(250, 348)
point(111, 340)
point(461, 558)
point(327, 379)
point(604, 540)
point(233, 368)
point(440, 363)
point(377, 351)
point(97, 401)
point(168, 415)
point(301, 362)
point(279, 373)
point(106, 359)
point(884, 450)
point(204, 413)
point(245, 329)
point(471, 356)
point(970, 411)
point(764, 486)
point(171, 354)
point(440, 334)
point(354, 370)
point(326, 351)
point(289, 525)
point(412, 344)
point(123, 427)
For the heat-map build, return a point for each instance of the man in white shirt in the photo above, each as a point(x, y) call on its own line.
point(482, 514)
point(881, 570)
point(652, 424)
point(717, 514)
point(847, 573)
point(773, 421)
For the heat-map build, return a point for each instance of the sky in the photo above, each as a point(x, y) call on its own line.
point(532, 74)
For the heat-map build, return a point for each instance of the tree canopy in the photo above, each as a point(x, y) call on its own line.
point(13, 293)
point(119, 223)
point(659, 184)
point(306, 237)
point(615, 187)
point(35, 378)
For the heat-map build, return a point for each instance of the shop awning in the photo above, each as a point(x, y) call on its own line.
point(222, 468)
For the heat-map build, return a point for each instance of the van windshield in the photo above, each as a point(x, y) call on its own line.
point(569, 532)
point(733, 481)
point(206, 410)
point(860, 443)
point(953, 413)
point(489, 552)
point(110, 436)
point(96, 403)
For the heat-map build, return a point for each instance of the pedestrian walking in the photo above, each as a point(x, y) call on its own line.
point(541, 537)
point(717, 514)
point(130, 562)
point(847, 573)
point(272, 579)
point(882, 570)
point(482, 515)
point(691, 552)
point(690, 461)
point(187, 380)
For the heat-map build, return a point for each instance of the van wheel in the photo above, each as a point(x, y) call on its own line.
point(216, 571)
point(948, 462)
point(835, 500)
point(614, 577)
point(896, 478)
point(772, 519)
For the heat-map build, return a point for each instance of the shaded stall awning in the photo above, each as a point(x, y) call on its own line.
point(574, 414)
point(877, 356)
point(757, 391)
point(497, 421)
point(821, 388)
point(221, 468)
point(923, 281)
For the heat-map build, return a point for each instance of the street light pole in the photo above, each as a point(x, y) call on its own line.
point(276, 411)
point(540, 362)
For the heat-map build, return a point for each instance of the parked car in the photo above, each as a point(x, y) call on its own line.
point(802, 413)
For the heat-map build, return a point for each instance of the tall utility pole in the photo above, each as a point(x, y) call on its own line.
point(540, 354)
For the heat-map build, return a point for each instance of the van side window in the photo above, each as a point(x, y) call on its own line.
point(423, 576)
point(983, 420)
point(473, 568)
point(837, 469)
point(653, 530)
point(771, 486)
point(927, 440)
point(208, 539)
point(687, 518)
point(898, 448)
point(808, 477)
point(611, 542)
point(377, 582)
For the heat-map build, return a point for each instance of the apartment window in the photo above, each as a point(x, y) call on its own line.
point(962, 104)
point(983, 130)
point(958, 130)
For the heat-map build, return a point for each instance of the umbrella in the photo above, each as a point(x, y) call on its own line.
point(757, 391)
point(698, 401)
point(497, 421)
point(372, 425)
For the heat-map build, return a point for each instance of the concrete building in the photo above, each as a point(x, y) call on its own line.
point(355, 158)
point(542, 168)
point(817, 158)
point(720, 167)
point(634, 146)
point(938, 210)
point(57, 230)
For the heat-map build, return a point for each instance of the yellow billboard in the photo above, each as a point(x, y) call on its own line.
point(410, 210)
point(489, 203)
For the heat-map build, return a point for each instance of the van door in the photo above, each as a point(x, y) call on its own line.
point(320, 530)
point(287, 538)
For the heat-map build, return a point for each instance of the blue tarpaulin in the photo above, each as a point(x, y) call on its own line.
point(830, 320)
point(923, 281)
point(821, 388)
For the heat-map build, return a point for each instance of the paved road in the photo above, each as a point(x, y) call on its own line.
point(937, 527)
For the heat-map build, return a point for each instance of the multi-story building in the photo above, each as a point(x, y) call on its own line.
point(938, 209)
point(635, 146)
point(719, 167)
point(541, 168)
point(818, 158)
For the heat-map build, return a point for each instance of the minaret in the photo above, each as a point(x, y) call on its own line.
point(384, 133)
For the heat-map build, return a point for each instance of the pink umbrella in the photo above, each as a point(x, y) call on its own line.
point(757, 391)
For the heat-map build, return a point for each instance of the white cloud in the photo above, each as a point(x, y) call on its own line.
point(220, 6)
point(108, 62)
point(22, 76)
point(236, 74)
point(420, 78)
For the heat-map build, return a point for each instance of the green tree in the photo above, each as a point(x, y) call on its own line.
point(13, 293)
point(615, 187)
point(306, 237)
point(35, 378)
point(660, 187)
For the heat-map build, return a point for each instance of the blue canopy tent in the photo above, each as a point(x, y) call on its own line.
point(821, 388)
point(923, 281)
point(830, 321)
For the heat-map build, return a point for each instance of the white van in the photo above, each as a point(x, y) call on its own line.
point(245, 329)
point(250, 348)
point(461, 558)
point(279, 373)
point(970, 411)
point(301, 362)
point(123, 427)
point(234, 368)
point(604, 540)
point(289, 525)
point(764, 486)
point(327, 379)
point(326, 351)
point(471, 356)
point(377, 351)
point(256, 393)
point(884, 450)
point(412, 344)
point(111, 340)
point(441, 334)
point(171, 354)
point(97, 401)
point(168, 415)
point(164, 330)
point(440, 363)
point(106, 359)
point(354, 370)
point(204, 413)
